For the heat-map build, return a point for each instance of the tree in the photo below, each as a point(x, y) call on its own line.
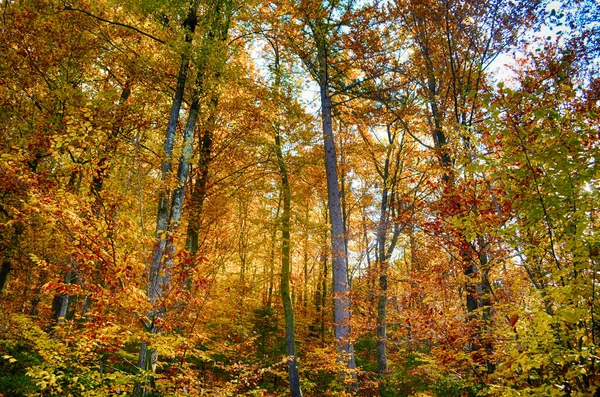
point(170, 205)
point(169, 209)
point(321, 29)
point(290, 339)
point(544, 138)
point(213, 57)
point(453, 44)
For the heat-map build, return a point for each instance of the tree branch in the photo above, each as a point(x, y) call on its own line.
point(70, 8)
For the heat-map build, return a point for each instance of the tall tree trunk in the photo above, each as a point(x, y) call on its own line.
point(288, 308)
point(243, 240)
point(198, 195)
point(343, 201)
point(199, 190)
point(162, 218)
point(272, 253)
point(159, 273)
point(479, 289)
point(305, 259)
point(382, 270)
point(341, 290)
point(388, 172)
point(286, 298)
point(321, 293)
point(384, 252)
point(218, 21)
point(160, 276)
point(183, 170)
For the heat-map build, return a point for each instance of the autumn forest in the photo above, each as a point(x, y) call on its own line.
point(299, 198)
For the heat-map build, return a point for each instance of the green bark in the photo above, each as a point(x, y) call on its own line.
point(288, 307)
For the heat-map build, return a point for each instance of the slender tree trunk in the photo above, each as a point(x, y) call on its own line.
point(160, 278)
point(384, 248)
point(305, 259)
point(159, 272)
point(286, 197)
point(199, 190)
point(162, 218)
point(288, 308)
point(243, 239)
point(343, 201)
point(477, 290)
point(366, 239)
point(341, 290)
point(183, 170)
point(218, 23)
point(4, 270)
point(384, 253)
point(321, 293)
point(382, 269)
point(271, 281)
point(60, 304)
point(8, 254)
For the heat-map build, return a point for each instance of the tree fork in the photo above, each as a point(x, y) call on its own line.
point(156, 283)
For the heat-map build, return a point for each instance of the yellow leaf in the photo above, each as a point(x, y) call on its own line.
point(10, 359)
